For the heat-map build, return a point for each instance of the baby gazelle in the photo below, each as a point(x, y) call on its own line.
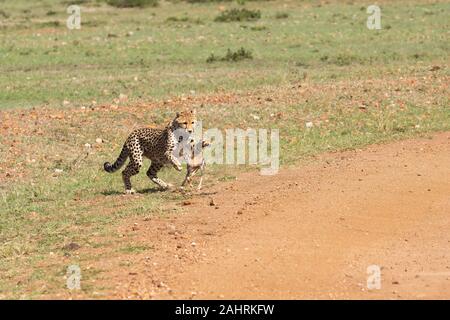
point(195, 162)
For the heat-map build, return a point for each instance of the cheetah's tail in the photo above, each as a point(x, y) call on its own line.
point(119, 162)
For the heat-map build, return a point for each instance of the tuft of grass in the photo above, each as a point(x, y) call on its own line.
point(53, 24)
point(207, 1)
point(342, 59)
point(281, 15)
point(77, 2)
point(4, 14)
point(238, 15)
point(232, 56)
point(134, 248)
point(183, 19)
point(133, 3)
point(258, 28)
point(177, 19)
point(345, 59)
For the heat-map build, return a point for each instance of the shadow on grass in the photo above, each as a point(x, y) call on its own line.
point(152, 190)
point(194, 192)
point(121, 193)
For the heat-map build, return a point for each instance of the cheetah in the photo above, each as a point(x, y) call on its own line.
point(195, 162)
point(156, 144)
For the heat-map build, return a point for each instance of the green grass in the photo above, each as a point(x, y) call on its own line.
point(238, 15)
point(133, 3)
point(317, 64)
point(129, 50)
point(38, 221)
point(232, 56)
point(134, 248)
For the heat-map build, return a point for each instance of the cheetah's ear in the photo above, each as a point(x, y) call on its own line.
point(193, 111)
point(177, 115)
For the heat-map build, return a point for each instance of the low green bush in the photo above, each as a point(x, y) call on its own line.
point(232, 56)
point(238, 15)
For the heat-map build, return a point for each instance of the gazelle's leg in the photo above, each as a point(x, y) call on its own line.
point(201, 178)
point(192, 172)
point(186, 179)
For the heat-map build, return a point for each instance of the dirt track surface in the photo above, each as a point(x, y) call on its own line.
point(307, 232)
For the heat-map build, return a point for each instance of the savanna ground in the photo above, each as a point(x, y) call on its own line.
point(69, 98)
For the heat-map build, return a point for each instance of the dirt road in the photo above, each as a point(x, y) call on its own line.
point(308, 232)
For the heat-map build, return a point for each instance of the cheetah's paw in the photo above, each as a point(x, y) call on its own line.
point(166, 186)
point(130, 191)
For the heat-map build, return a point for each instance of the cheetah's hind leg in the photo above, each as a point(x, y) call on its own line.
point(132, 169)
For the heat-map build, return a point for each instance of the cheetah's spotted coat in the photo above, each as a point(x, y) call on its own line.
point(154, 144)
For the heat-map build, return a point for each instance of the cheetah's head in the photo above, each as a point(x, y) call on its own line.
point(185, 120)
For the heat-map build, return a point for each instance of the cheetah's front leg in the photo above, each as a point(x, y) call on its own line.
point(174, 161)
point(152, 173)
